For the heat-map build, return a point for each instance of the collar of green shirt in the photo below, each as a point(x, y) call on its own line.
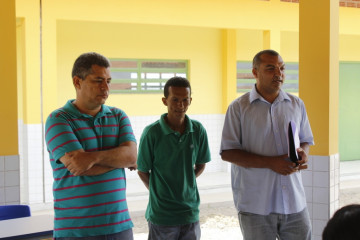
point(167, 130)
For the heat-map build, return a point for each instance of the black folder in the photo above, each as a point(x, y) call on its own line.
point(293, 140)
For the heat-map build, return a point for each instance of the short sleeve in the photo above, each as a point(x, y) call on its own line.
point(126, 131)
point(60, 137)
point(204, 151)
point(145, 155)
point(231, 134)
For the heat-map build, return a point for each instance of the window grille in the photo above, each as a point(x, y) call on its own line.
point(245, 79)
point(144, 75)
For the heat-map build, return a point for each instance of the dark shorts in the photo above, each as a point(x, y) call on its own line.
point(178, 232)
point(124, 235)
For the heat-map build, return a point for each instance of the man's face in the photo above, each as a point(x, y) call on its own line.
point(94, 89)
point(177, 102)
point(270, 75)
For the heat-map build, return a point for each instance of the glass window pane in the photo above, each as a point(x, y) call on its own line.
point(121, 75)
point(167, 75)
point(244, 65)
point(152, 75)
point(144, 75)
point(246, 80)
point(291, 76)
point(181, 75)
point(291, 66)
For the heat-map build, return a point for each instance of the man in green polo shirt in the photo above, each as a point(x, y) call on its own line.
point(173, 151)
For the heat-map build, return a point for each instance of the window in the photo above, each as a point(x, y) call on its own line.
point(144, 76)
point(245, 79)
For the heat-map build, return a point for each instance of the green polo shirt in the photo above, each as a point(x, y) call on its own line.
point(170, 158)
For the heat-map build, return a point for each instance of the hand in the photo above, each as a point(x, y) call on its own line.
point(77, 162)
point(281, 165)
point(133, 168)
point(303, 159)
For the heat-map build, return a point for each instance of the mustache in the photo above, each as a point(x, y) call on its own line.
point(278, 79)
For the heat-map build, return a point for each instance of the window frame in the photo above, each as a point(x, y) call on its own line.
point(252, 80)
point(139, 70)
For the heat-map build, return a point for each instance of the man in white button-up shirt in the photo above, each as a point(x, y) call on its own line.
point(267, 186)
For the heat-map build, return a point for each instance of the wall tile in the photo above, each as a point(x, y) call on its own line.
point(332, 178)
point(336, 192)
point(2, 163)
point(332, 209)
point(315, 237)
point(332, 194)
point(318, 227)
point(321, 195)
point(332, 162)
point(2, 179)
point(12, 178)
point(337, 161)
point(321, 179)
point(307, 178)
point(321, 211)
point(309, 194)
point(337, 176)
point(12, 163)
point(336, 204)
point(2, 196)
point(321, 163)
point(12, 194)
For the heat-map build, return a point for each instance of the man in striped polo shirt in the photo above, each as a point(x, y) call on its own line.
point(90, 144)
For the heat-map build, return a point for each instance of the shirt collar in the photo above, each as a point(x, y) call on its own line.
point(167, 130)
point(69, 107)
point(254, 95)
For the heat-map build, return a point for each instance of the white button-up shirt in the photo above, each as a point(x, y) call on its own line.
point(254, 125)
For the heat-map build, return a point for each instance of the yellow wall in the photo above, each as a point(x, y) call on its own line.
point(247, 14)
point(157, 30)
point(20, 53)
point(145, 29)
point(290, 46)
point(8, 96)
point(248, 43)
point(28, 40)
point(349, 48)
point(319, 71)
point(201, 46)
point(348, 21)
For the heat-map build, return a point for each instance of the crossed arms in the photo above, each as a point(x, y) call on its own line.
point(81, 163)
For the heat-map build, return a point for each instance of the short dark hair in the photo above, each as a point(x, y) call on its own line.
point(344, 224)
point(257, 58)
point(176, 82)
point(82, 65)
